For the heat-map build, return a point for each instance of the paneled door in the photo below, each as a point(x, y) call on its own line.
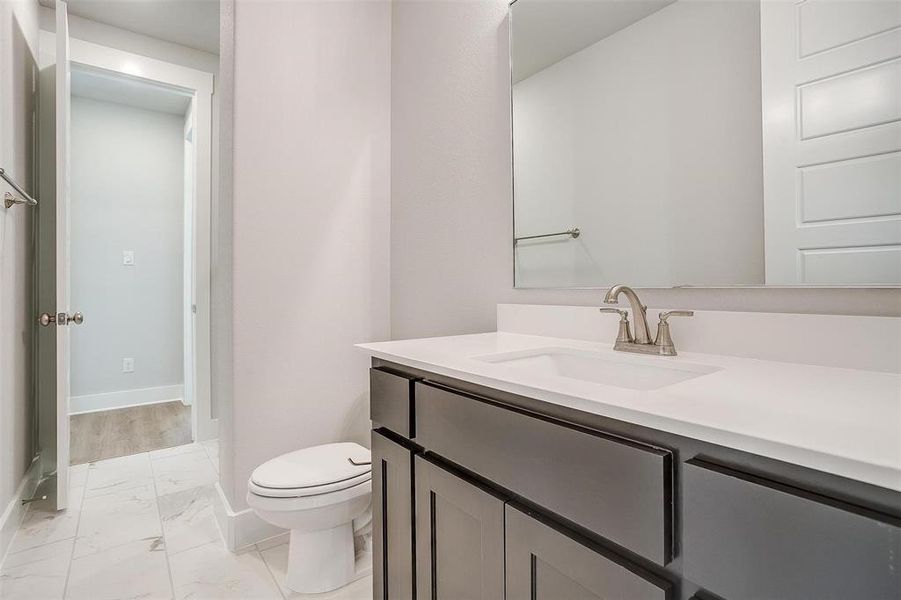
point(459, 537)
point(831, 92)
point(544, 564)
point(392, 519)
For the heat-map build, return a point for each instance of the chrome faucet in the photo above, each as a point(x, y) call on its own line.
point(641, 342)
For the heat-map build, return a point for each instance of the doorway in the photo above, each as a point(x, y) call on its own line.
point(131, 161)
point(130, 192)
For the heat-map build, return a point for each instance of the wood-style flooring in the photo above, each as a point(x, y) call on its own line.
point(123, 431)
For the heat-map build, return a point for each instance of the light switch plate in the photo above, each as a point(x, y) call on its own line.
point(128, 365)
point(128, 258)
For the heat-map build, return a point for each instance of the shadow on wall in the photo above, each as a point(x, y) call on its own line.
point(356, 425)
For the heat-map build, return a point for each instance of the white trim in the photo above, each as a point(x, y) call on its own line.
point(14, 513)
point(88, 403)
point(189, 187)
point(198, 84)
point(134, 65)
point(243, 528)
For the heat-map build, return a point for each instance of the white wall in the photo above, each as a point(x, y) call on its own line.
point(653, 131)
point(311, 217)
point(18, 55)
point(451, 204)
point(127, 193)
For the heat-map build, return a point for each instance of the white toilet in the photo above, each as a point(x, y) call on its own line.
point(323, 495)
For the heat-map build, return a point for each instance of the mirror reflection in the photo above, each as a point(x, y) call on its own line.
point(706, 143)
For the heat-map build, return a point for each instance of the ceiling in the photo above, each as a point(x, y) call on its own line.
point(547, 31)
point(98, 85)
point(191, 23)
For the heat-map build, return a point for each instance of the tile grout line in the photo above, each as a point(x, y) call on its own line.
point(159, 514)
point(256, 547)
point(84, 493)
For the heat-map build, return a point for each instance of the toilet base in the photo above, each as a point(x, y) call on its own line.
point(322, 561)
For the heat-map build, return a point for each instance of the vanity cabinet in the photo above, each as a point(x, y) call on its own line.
point(459, 537)
point(483, 495)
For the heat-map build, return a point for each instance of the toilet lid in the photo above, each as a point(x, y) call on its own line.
point(326, 466)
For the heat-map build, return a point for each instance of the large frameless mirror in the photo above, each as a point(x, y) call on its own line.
point(706, 143)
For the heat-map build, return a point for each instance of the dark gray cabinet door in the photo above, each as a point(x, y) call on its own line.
point(459, 537)
point(392, 520)
point(747, 538)
point(544, 564)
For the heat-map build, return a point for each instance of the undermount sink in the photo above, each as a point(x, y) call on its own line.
point(632, 372)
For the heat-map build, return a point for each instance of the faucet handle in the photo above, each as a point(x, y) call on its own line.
point(664, 340)
point(624, 334)
point(675, 313)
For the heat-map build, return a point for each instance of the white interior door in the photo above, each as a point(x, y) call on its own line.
point(63, 317)
point(831, 91)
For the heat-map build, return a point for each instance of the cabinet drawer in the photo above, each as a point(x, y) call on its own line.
point(391, 401)
point(746, 537)
point(544, 564)
point(617, 489)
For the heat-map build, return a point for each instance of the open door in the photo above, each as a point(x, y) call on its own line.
point(54, 318)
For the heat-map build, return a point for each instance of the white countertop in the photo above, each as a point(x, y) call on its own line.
point(841, 421)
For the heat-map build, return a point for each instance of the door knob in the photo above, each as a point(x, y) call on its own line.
point(46, 319)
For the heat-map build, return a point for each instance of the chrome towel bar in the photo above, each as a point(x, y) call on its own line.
point(9, 199)
point(574, 233)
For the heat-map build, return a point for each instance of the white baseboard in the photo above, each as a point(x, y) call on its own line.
point(15, 511)
point(243, 528)
point(124, 398)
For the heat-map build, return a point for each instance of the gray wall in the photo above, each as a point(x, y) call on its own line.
point(127, 193)
point(451, 205)
point(18, 54)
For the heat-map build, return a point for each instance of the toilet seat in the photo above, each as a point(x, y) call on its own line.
point(312, 471)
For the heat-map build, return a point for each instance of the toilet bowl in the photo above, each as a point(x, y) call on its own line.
point(322, 494)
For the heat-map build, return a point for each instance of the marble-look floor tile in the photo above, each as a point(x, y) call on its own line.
point(212, 572)
point(134, 570)
point(118, 517)
point(176, 450)
point(188, 519)
point(38, 573)
point(78, 476)
point(276, 559)
point(276, 540)
point(118, 474)
point(183, 472)
point(43, 525)
point(212, 450)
